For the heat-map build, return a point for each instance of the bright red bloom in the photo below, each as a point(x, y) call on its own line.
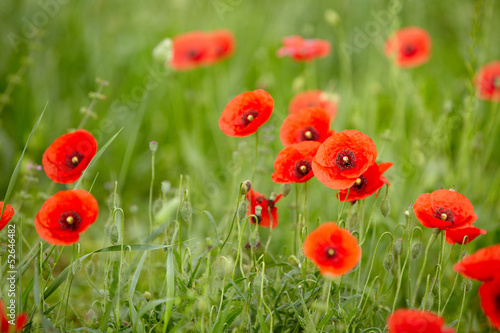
point(334, 250)
point(416, 321)
point(68, 156)
point(490, 300)
point(311, 98)
point(191, 50)
point(7, 214)
point(342, 158)
point(300, 49)
point(245, 113)
point(222, 43)
point(444, 209)
point(293, 164)
point(457, 235)
point(65, 215)
point(5, 326)
point(410, 47)
point(269, 211)
point(309, 124)
point(366, 184)
point(482, 265)
point(488, 82)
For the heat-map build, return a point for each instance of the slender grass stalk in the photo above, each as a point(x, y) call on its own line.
point(256, 150)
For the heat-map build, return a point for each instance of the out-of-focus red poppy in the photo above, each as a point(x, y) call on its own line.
point(268, 213)
point(366, 184)
point(8, 212)
point(309, 98)
point(300, 49)
point(482, 265)
point(490, 300)
point(488, 82)
point(222, 43)
point(309, 124)
point(410, 47)
point(444, 209)
point(68, 156)
point(457, 235)
point(334, 250)
point(416, 321)
point(293, 164)
point(245, 113)
point(65, 215)
point(191, 50)
point(20, 320)
point(342, 158)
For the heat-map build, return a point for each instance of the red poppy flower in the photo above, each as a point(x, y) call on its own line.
point(269, 211)
point(311, 98)
point(65, 215)
point(366, 184)
point(68, 156)
point(416, 321)
point(293, 164)
point(191, 50)
point(410, 47)
point(309, 124)
point(5, 326)
point(300, 49)
point(490, 300)
point(457, 235)
point(222, 43)
point(334, 250)
point(8, 212)
point(488, 82)
point(342, 158)
point(482, 265)
point(245, 113)
point(444, 209)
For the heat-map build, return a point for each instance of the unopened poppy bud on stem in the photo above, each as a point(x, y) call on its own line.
point(147, 295)
point(285, 189)
point(162, 53)
point(245, 187)
point(416, 250)
point(388, 261)
point(153, 146)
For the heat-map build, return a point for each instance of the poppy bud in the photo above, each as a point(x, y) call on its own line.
point(165, 187)
point(76, 267)
point(111, 231)
point(285, 189)
point(153, 146)
point(353, 220)
point(162, 53)
point(385, 207)
point(416, 250)
point(388, 261)
point(398, 245)
point(429, 301)
point(242, 210)
point(46, 271)
point(90, 268)
point(254, 238)
point(466, 285)
point(186, 211)
point(464, 253)
point(245, 187)
point(332, 17)
point(273, 196)
point(90, 318)
point(147, 295)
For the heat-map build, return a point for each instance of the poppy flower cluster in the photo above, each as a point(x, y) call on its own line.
point(5, 322)
point(416, 321)
point(409, 47)
point(310, 98)
point(263, 208)
point(488, 82)
point(300, 49)
point(332, 249)
point(65, 215)
point(448, 210)
point(68, 156)
point(484, 266)
point(8, 212)
point(199, 48)
point(367, 183)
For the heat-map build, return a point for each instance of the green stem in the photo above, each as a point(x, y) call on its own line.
point(420, 275)
point(255, 155)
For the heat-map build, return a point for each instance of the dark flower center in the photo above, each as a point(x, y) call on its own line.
point(346, 160)
point(70, 221)
point(193, 54)
point(73, 159)
point(409, 50)
point(444, 214)
point(497, 301)
point(302, 168)
point(360, 184)
point(309, 134)
point(248, 117)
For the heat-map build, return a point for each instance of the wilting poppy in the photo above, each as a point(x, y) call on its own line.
point(482, 265)
point(334, 250)
point(416, 321)
point(457, 235)
point(293, 164)
point(342, 158)
point(65, 215)
point(222, 44)
point(245, 113)
point(490, 300)
point(8, 212)
point(68, 156)
point(410, 47)
point(366, 184)
point(309, 124)
point(311, 98)
point(191, 50)
point(488, 82)
point(5, 326)
point(300, 49)
point(444, 209)
point(268, 212)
